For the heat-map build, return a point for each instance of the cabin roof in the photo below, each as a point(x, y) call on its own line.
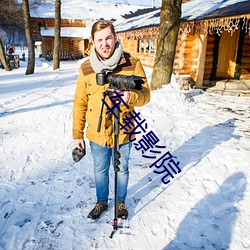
point(193, 10)
point(77, 32)
point(140, 21)
point(208, 9)
point(85, 10)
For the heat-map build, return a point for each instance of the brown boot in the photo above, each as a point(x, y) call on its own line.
point(97, 210)
point(122, 211)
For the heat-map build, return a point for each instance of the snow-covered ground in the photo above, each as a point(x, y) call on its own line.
point(45, 197)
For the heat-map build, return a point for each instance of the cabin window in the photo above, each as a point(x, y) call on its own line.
point(152, 45)
point(140, 45)
point(146, 45)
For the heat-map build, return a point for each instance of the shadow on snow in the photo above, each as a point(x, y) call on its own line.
point(189, 154)
point(209, 225)
point(23, 110)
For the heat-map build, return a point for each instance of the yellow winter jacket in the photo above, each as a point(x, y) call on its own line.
point(88, 101)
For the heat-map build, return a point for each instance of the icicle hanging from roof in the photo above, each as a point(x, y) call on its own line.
point(148, 32)
point(218, 25)
point(229, 24)
point(246, 25)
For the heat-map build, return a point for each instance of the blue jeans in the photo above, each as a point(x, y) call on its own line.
point(102, 158)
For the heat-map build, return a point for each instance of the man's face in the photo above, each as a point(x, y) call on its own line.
point(104, 42)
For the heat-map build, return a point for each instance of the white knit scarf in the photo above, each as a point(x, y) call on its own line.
point(98, 64)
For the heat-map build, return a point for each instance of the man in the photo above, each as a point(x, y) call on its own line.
point(107, 54)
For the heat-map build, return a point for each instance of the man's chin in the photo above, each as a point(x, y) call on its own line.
point(105, 56)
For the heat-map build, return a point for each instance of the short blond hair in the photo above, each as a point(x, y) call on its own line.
point(100, 25)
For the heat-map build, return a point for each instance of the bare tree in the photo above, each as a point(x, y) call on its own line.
point(56, 59)
point(36, 3)
point(11, 17)
point(28, 33)
point(3, 57)
point(11, 24)
point(168, 34)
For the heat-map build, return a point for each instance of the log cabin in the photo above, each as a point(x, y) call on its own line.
point(213, 41)
point(74, 37)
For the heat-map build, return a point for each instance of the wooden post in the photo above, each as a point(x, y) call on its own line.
point(140, 42)
point(201, 60)
point(144, 45)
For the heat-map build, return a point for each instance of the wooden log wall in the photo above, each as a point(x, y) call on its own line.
point(73, 45)
point(146, 59)
point(185, 59)
point(178, 61)
point(66, 44)
point(47, 45)
point(190, 56)
point(245, 60)
point(209, 57)
point(186, 55)
point(131, 46)
point(79, 46)
point(50, 22)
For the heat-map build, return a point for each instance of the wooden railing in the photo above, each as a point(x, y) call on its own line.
point(64, 55)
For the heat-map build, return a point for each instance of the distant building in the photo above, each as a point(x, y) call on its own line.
point(74, 36)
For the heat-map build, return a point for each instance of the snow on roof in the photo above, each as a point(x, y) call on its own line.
point(192, 10)
point(197, 9)
point(85, 10)
point(145, 20)
point(80, 32)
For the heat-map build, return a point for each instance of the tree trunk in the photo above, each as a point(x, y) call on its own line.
point(28, 33)
point(56, 59)
point(3, 57)
point(168, 34)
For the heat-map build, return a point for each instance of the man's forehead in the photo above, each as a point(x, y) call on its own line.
point(103, 33)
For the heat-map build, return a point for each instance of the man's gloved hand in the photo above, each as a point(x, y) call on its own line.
point(124, 98)
point(79, 151)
